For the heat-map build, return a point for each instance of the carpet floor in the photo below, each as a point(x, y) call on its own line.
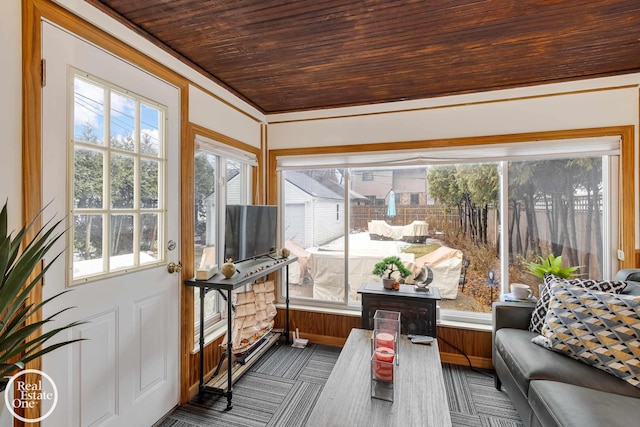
point(282, 387)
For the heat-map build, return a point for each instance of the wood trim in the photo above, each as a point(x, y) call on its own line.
point(262, 167)
point(323, 339)
point(31, 112)
point(217, 136)
point(458, 359)
point(627, 196)
point(32, 159)
point(187, 151)
point(454, 105)
point(271, 174)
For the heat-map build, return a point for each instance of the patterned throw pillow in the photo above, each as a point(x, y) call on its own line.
point(600, 329)
point(540, 310)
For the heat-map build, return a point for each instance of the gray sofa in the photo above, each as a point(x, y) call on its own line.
point(551, 389)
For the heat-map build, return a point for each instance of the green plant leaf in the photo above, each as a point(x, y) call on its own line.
point(19, 341)
point(551, 264)
point(390, 265)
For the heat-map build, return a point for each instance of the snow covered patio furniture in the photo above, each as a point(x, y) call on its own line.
point(416, 232)
point(446, 264)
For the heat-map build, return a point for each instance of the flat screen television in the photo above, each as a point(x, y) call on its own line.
point(250, 231)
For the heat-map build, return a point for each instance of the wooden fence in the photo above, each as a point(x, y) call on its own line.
point(436, 217)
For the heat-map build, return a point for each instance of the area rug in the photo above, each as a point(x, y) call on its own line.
point(282, 387)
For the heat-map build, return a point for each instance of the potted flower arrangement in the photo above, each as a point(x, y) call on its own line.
point(18, 263)
point(387, 267)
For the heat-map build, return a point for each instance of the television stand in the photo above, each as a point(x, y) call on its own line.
point(252, 270)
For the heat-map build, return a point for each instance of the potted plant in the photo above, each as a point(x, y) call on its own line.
point(551, 264)
point(18, 345)
point(387, 267)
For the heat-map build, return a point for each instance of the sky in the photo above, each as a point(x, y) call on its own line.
point(89, 109)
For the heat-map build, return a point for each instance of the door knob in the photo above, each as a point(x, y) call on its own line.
point(172, 267)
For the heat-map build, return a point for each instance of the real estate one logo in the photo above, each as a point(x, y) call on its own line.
point(29, 393)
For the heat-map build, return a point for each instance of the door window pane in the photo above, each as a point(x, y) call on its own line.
point(121, 241)
point(149, 184)
point(122, 181)
point(87, 245)
point(88, 183)
point(150, 130)
point(122, 122)
point(150, 236)
point(88, 112)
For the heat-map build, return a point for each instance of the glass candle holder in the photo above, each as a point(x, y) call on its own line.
point(382, 374)
point(388, 321)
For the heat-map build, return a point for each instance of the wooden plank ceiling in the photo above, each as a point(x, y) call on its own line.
point(308, 54)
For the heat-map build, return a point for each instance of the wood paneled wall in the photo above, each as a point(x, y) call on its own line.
point(212, 353)
point(475, 344)
point(333, 329)
point(323, 328)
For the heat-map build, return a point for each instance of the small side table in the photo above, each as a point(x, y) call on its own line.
point(417, 308)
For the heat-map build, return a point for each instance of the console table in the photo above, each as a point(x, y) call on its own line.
point(417, 307)
point(247, 272)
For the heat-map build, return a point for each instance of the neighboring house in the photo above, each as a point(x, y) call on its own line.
point(373, 184)
point(314, 213)
point(409, 185)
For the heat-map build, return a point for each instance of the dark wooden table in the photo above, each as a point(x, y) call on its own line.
point(420, 396)
point(417, 308)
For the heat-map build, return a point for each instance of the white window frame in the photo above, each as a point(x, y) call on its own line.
point(223, 154)
point(106, 211)
point(607, 147)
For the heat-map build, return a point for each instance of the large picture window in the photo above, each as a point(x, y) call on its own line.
point(473, 216)
point(118, 180)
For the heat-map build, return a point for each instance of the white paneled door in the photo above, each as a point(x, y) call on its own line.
point(126, 371)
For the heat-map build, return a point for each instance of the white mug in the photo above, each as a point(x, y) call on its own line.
point(521, 291)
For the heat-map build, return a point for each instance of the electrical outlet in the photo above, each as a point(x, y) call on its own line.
point(620, 255)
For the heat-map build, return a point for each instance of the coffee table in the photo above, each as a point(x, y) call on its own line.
point(420, 396)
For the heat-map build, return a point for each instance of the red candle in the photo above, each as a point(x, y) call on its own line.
point(384, 339)
point(383, 363)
